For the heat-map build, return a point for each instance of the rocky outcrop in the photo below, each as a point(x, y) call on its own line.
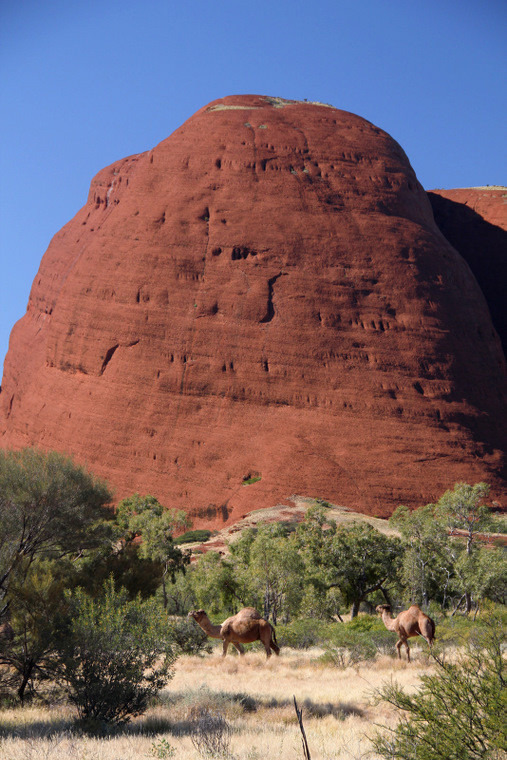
point(261, 305)
point(474, 221)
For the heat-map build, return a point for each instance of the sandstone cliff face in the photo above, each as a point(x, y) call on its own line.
point(474, 221)
point(264, 293)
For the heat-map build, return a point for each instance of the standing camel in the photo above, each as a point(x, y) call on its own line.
point(243, 628)
point(409, 623)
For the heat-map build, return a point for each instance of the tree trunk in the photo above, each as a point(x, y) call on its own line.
point(355, 608)
point(164, 591)
point(468, 602)
point(26, 677)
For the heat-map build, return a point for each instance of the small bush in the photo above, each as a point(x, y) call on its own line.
point(188, 637)
point(211, 734)
point(354, 649)
point(114, 656)
point(162, 749)
point(194, 537)
point(251, 479)
point(304, 633)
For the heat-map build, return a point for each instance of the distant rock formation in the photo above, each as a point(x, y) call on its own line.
point(474, 221)
point(261, 305)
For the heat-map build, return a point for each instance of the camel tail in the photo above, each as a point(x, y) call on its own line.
point(274, 641)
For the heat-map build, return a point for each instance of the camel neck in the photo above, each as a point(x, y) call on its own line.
point(208, 627)
point(388, 620)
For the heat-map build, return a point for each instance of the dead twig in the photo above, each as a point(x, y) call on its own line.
point(299, 714)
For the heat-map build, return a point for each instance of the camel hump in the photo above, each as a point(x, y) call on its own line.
point(250, 612)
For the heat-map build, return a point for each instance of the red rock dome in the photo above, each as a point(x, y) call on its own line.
point(263, 296)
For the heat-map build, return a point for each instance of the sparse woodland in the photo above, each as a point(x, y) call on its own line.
point(93, 622)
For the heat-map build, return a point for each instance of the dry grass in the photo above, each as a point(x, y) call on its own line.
point(254, 696)
point(222, 107)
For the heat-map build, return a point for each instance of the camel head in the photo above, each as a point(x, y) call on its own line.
point(197, 615)
point(380, 608)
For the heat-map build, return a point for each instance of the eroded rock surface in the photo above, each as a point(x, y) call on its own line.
point(265, 294)
point(474, 221)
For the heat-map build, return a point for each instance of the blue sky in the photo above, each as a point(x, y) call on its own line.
point(83, 83)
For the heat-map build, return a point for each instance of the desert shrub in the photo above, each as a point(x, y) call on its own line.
point(115, 654)
point(351, 650)
point(211, 734)
point(188, 638)
point(360, 639)
point(364, 623)
point(194, 536)
point(458, 713)
point(304, 633)
point(162, 749)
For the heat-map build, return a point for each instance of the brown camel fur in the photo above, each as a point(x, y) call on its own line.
point(409, 623)
point(243, 628)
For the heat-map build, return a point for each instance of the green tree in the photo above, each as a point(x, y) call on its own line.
point(122, 561)
point(313, 538)
point(361, 561)
point(276, 570)
point(464, 515)
point(37, 603)
point(145, 520)
point(427, 567)
point(115, 655)
point(49, 507)
point(459, 712)
point(215, 585)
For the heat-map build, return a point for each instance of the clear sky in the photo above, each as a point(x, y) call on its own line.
point(86, 82)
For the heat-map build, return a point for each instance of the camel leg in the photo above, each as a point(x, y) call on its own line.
point(267, 641)
point(225, 647)
point(239, 648)
point(399, 644)
point(408, 650)
point(275, 648)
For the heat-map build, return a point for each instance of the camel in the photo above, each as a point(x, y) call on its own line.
point(409, 623)
point(243, 628)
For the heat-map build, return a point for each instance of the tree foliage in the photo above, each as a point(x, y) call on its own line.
point(49, 506)
point(144, 518)
point(37, 603)
point(426, 565)
point(361, 561)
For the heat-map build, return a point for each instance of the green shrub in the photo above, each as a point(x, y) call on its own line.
point(115, 654)
point(348, 646)
point(459, 712)
point(365, 623)
point(304, 633)
point(188, 637)
point(251, 479)
point(194, 536)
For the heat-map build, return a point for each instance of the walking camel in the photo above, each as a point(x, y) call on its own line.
point(243, 628)
point(409, 623)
